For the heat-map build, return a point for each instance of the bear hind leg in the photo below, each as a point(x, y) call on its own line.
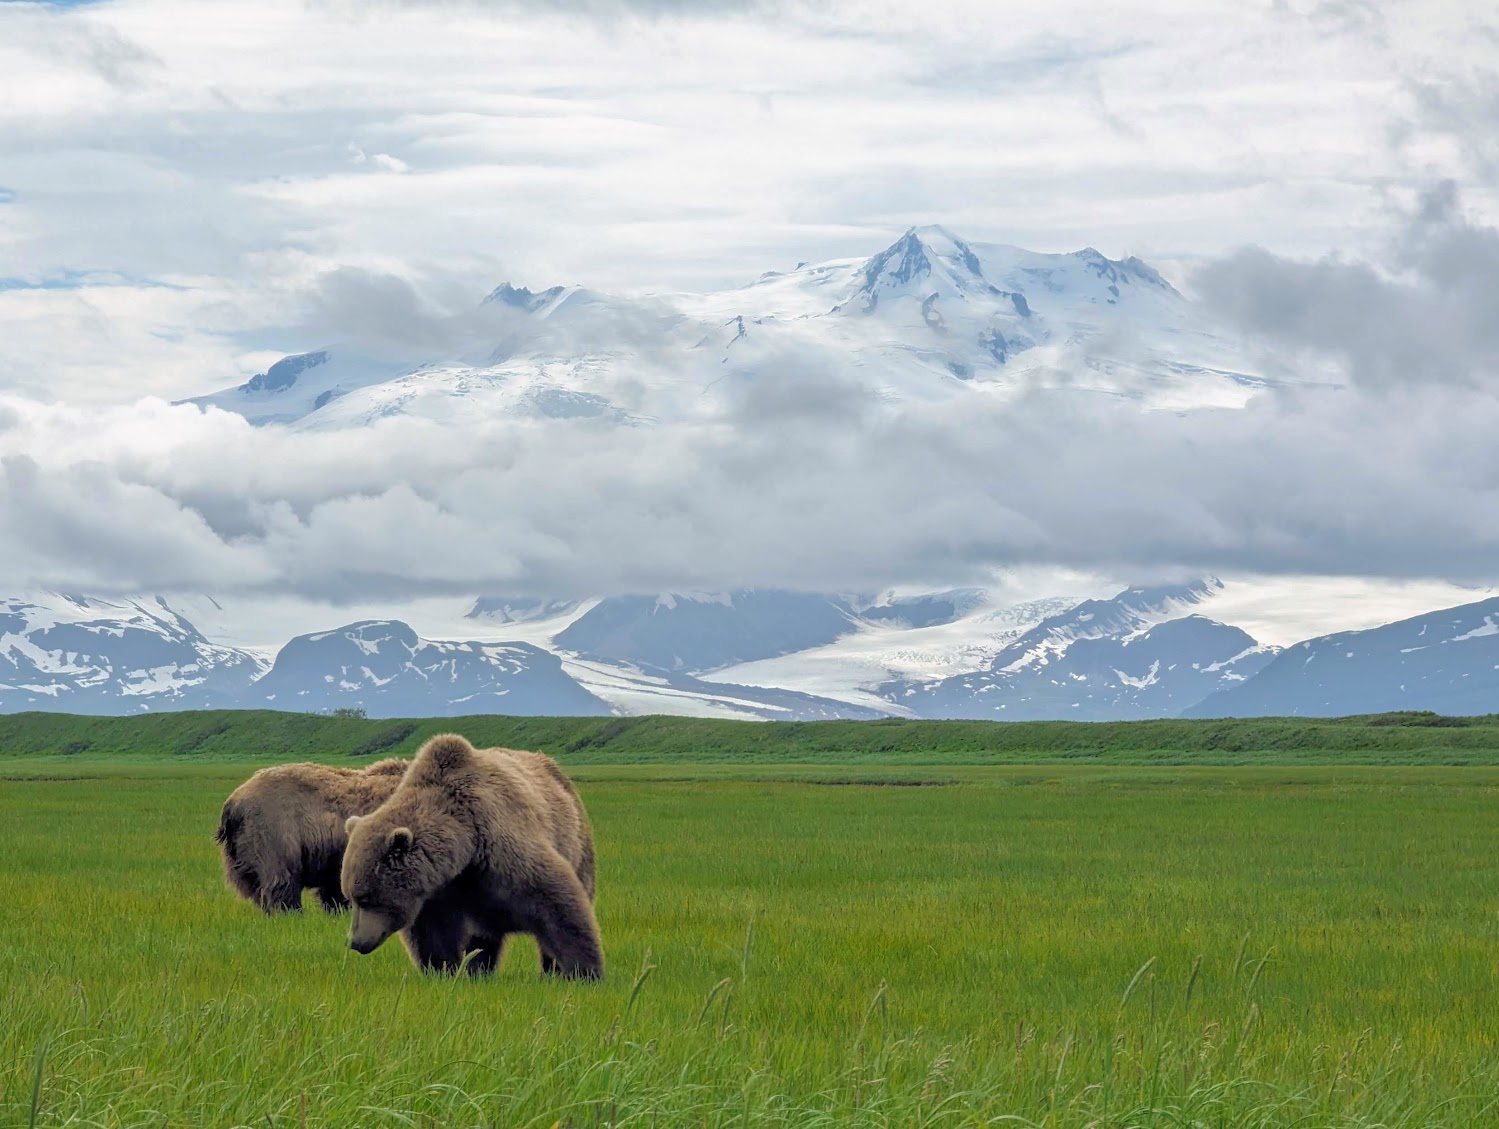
point(281, 895)
point(561, 916)
point(281, 899)
point(586, 869)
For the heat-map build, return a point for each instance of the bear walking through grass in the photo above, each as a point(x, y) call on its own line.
point(473, 846)
point(282, 831)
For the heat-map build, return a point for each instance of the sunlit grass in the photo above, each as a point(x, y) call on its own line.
point(1063, 946)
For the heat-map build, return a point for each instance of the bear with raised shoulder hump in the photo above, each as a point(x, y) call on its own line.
point(474, 845)
point(283, 830)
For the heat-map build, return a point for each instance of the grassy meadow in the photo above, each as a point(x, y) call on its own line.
point(792, 944)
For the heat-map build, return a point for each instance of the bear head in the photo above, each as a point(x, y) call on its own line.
point(410, 847)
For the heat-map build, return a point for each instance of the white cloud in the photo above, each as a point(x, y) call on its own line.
point(187, 191)
point(794, 483)
point(650, 145)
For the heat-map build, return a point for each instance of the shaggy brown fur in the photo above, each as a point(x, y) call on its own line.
point(475, 845)
point(282, 830)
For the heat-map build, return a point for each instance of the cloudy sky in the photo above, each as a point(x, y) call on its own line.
point(182, 187)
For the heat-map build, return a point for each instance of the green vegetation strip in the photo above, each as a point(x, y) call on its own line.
point(1062, 946)
point(265, 736)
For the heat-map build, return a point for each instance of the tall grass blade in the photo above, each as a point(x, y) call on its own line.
point(712, 995)
point(1134, 982)
point(36, 1083)
point(1192, 982)
point(1258, 968)
point(877, 1001)
point(1239, 958)
point(646, 968)
point(749, 944)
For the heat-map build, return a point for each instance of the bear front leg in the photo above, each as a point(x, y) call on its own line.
point(486, 956)
point(436, 942)
point(332, 899)
point(560, 915)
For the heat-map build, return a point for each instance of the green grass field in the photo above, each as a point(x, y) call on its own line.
point(1088, 946)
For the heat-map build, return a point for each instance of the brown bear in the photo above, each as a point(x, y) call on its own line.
point(475, 845)
point(282, 830)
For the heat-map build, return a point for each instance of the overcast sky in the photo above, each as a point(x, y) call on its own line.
point(179, 183)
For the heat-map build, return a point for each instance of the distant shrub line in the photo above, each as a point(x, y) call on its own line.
point(387, 738)
point(267, 736)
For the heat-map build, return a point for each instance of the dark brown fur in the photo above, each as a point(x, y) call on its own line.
point(282, 830)
point(473, 846)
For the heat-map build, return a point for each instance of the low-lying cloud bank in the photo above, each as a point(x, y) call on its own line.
point(1429, 317)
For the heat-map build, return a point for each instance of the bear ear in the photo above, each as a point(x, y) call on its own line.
point(399, 842)
point(349, 824)
point(446, 753)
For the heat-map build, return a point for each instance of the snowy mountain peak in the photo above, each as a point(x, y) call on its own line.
point(929, 256)
point(1141, 653)
point(1169, 599)
point(1446, 661)
point(1143, 270)
point(946, 246)
point(520, 298)
point(384, 667)
point(368, 635)
point(1131, 613)
point(87, 655)
point(284, 373)
point(1115, 271)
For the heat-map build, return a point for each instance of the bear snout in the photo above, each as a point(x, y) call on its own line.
point(368, 931)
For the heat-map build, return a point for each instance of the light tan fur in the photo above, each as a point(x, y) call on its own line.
point(282, 830)
point(475, 845)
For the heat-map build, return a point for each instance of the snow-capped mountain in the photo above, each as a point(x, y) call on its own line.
point(79, 655)
point(725, 634)
point(1447, 661)
point(765, 655)
point(1143, 653)
point(300, 384)
point(697, 633)
point(929, 316)
point(383, 667)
